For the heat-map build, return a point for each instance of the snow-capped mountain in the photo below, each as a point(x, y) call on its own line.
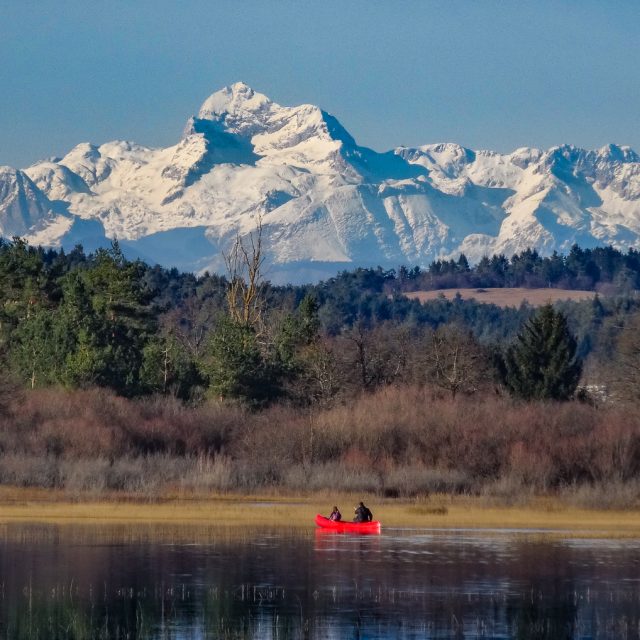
point(326, 203)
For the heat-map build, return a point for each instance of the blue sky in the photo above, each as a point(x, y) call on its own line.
point(485, 74)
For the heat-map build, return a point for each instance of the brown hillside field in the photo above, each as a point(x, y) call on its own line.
point(506, 297)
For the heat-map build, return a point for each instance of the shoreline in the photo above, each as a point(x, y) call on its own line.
point(541, 516)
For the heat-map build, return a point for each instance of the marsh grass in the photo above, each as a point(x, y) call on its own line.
point(424, 510)
point(196, 518)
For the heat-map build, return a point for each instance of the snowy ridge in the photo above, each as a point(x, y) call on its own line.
point(327, 203)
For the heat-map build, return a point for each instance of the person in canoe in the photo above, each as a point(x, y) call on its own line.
point(363, 514)
point(336, 516)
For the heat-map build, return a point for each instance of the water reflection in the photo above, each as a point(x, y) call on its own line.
point(71, 582)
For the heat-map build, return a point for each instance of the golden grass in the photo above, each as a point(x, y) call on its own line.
point(505, 297)
point(255, 511)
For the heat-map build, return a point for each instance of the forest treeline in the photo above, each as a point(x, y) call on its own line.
point(600, 268)
point(118, 375)
point(74, 320)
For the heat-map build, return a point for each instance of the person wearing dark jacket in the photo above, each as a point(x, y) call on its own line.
point(363, 514)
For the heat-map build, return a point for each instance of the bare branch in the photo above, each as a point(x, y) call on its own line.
point(245, 291)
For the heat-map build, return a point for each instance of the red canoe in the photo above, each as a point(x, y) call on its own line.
point(343, 526)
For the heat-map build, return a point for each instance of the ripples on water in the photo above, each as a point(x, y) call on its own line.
point(144, 582)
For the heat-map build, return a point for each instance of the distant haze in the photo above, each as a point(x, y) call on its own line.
point(491, 74)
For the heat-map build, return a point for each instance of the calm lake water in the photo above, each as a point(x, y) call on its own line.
point(74, 582)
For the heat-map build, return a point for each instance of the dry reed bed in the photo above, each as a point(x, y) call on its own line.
point(397, 442)
point(203, 518)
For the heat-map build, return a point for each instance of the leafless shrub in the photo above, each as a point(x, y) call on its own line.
point(416, 480)
point(210, 474)
point(30, 471)
point(403, 441)
point(332, 477)
point(508, 490)
point(85, 476)
point(606, 495)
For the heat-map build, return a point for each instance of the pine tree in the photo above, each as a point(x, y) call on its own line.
point(235, 365)
point(123, 319)
point(298, 331)
point(542, 363)
point(77, 332)
point(168, 369)
point(27, 314)
point(33, 348)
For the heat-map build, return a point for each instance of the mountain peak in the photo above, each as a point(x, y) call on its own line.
point(617, 153)
point(328, 202)
point(233, 99)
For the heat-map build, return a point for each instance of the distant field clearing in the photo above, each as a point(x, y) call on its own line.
point(505, 297)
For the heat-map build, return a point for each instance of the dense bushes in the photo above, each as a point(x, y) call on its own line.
point(395, 442)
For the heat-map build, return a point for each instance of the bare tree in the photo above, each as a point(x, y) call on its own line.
point(245, 292)
point(189, 324)
point(624, 372)
point(375, 356)
point(454, 360)
point(323, 380)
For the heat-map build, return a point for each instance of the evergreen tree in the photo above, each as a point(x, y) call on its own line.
point(168, 369)
point(298, 356)
point(298, 330)
point(33, 348)
point(235, 365)
point(123, 318)
point(463, 264)
point(27, 314)
point(542, 363)
point(23, 286)
point(77, 331)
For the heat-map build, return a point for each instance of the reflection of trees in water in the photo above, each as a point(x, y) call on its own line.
point(46, 617)
point(545, 612)
point(540, 616)
point(566, 611)
point(67, 613)
point(274, 586)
